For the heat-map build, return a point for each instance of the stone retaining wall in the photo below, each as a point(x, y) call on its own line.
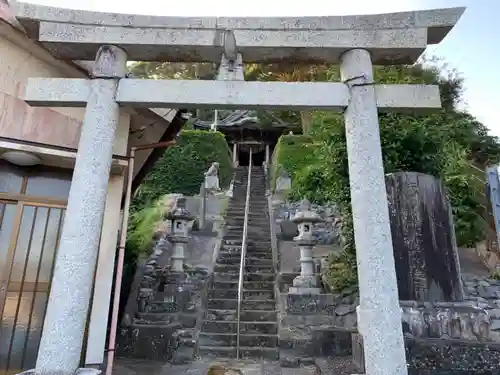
point(443, 357)
point(485, 293)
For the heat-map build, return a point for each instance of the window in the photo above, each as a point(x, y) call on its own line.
point(39, 181)
point(11, 178)
point(50, 184)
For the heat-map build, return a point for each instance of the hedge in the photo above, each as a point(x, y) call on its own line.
point(181, 168)
point(292, 154)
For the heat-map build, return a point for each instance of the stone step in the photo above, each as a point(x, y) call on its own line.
point(253, 244)
point(256, 206)
point(271, 354)
point(260, 223)
point(252, 234)
point(232, 260)
point(245, 315)
point(234, 242)
point(253, 229)
point(256, 261)
point(256, 202)
point(259, 251)
point(230, 339)
point(237, 224)
point(224, 326)
point(251, 252)
point(248, 304)
point(259, 242)
point(259, 277)
point(257, 215)
point(249, 268)
point(219, 326)
point(253, 211)
point(247, 285)
point(239, 218)
point(257, 182)
point(247, 294)
point(227, 276)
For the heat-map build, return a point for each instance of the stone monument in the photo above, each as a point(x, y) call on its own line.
point(355, 42)
point(307, 282)
point(283, 182)
point(435, 317)
point(423, 237)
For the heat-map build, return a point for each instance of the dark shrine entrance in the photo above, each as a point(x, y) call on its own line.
point(245, 129)
point(258, 158)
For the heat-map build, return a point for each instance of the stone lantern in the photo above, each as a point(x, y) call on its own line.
point(307, 282)
point(179, 217)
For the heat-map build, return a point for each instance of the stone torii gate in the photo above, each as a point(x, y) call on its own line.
point(355, 42)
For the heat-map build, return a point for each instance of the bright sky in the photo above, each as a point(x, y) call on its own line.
point(472, 47)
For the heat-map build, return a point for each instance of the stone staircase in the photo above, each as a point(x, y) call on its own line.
point(258, 327)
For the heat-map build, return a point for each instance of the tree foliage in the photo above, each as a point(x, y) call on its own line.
point(449, 144)
point(291, 72)
point(167, 70)
point(181, 168)
point(292, 153)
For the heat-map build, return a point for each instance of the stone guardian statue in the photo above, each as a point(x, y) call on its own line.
point(212, 178)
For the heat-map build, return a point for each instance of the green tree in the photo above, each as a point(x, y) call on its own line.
point(167, 70)
point(449, 144)
point(288, 72)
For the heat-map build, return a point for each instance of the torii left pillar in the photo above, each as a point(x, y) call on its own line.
point(65, 321)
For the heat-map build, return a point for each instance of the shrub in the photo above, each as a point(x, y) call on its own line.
point(181, 168)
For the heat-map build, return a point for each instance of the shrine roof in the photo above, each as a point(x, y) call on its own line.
point(247, 119)
point(392, 37)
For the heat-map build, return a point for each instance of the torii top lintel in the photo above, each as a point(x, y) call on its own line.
point(391, 38)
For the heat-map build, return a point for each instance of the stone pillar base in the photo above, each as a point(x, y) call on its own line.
point(301, 290)
point(305, 285)
point(306, 281)
point(175, 277)
point(177, 263)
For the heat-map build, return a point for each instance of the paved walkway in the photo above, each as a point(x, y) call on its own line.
point(208, 367)
point(470, 263)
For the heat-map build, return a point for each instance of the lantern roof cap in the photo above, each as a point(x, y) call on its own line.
point(179, 211)
point(305, 214)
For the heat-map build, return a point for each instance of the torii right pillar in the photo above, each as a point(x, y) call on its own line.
point(379, 314)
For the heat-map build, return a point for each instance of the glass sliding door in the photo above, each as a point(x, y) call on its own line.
point(32, 207)
point(26, 275)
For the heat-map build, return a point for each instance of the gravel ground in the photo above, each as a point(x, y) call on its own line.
point(337, 366)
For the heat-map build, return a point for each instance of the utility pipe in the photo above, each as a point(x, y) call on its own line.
point(121, 249)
